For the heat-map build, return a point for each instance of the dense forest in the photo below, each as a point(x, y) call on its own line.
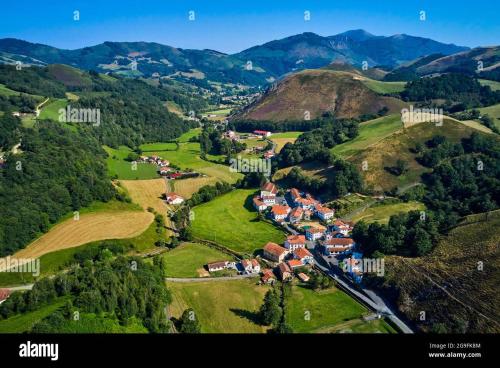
point(122, 289)
point(459, 91)
point(316, 144)
point(211, 142)
point(57, 172)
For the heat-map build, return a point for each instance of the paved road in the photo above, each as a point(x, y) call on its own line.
point(372, 299)
point(203, 279)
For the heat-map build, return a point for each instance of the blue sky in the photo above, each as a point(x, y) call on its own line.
point(231, 26)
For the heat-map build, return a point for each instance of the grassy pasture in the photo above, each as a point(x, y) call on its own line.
point(50, 110)
point(231, 221)
point(326, 309)
point(494, 112)
point(220, 306)
point(370, 132)
point(382, 212)
point(188, 260)
point(120, 168)
point(384, 87)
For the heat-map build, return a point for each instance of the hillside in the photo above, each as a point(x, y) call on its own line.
point(383, 154)
point(481, 61)
point(449, 283)
point(345, 94)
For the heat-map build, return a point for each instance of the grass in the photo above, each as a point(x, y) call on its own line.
point(370, 132)
point(325, 309)
point(188, 135)
point(231, 221)
point(220, 306)
point(222, 112)
point(121, 169)
point(384, 87)
point(379, 156)
point(494, 112)
point(24, 322)
point(50, 110)
point(349, 203)
point(188, 260)
point(283, 138)
point(90, 323)
point(173, 107)
point(187, 156)
point(381, 212)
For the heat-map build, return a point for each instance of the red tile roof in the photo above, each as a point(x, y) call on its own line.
point(269, 187)
point(274, 248)
point(294, 192)
point(314, 230)
point(280, 210)
point(339, 242)
point(283, 267)
point(255, 263)
point(302, 253)
point(303, 277)
point(293, 263)
point(258, 202)
point(297, 212)
point(296, 239)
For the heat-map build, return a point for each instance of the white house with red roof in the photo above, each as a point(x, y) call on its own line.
point(280, 212)
point(293, 242)
point(342, 227)
point(336, 246)
point(324, 213)
point(173, 198)
point(314, 233)
point(296, 215)
point(250, 266)
point(268, 189)
point(303, 255)
point(269, 200)
point(258, 204)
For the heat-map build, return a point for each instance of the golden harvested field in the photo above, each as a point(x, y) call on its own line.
point(147, 193)
point(280, 142)
point(90, 227)
point(187, 187)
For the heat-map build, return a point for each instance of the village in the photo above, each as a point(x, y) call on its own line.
point(312, 228)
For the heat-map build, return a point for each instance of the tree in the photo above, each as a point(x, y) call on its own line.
point(270, 312)
point(189, 323)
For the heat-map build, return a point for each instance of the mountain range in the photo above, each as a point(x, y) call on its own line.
point(257, 65)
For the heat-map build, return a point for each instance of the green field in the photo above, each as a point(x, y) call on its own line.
point(51, 109)
point(286, 135)
point(231, 221)
point(5, 91)
point(188, 135)
point(381, 212)
point(370, 132)
point(187, 156)
point(24, 322)
point(493, 112)
point(326, 309)
point(121, 169)
point(220, 306)
point(189, 258)
point(384, 87)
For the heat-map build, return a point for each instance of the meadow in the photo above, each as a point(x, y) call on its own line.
point(189, 259)
point(124, 170)
point(220, 306)
point(231, 221)
point(370, 132)
point(384, 87)
point(325, 308)
point(493, 112)
point(381, 212)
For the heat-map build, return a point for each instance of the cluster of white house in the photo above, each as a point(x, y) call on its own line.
point(173, 198)
point(302, 206)
point(163, 165)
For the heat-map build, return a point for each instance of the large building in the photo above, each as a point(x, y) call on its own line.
point(275, 252)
